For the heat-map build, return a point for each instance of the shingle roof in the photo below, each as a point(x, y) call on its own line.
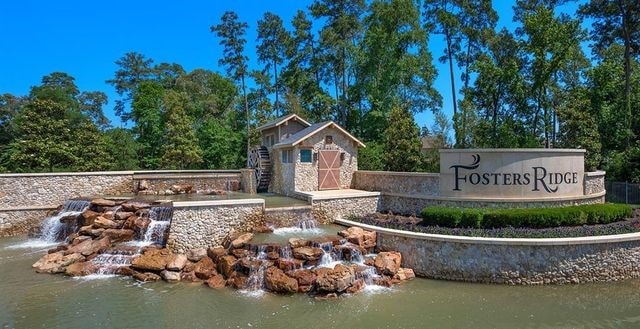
point(282, 120)
point(303, 134)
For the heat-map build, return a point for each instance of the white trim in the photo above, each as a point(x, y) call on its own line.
point(532, 150)
point(617, 238)
point(218, 203)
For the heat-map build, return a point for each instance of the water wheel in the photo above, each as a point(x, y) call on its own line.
point(260, 161)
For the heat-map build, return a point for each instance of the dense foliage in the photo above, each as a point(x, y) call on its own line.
point(356, 62)
point(525, 217)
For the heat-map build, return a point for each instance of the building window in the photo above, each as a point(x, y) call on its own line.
point(305, 156)
point(328, 139)
point(287, 156)
point(269, 140)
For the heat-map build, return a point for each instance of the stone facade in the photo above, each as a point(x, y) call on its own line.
point(205, 224)
point(37, 190)
point(397, 182)
point(18, 222)
point(297, 176)
point(329, 210)
point(594, 182)
point(248, 181)
point(287, 216)
point(515, 261)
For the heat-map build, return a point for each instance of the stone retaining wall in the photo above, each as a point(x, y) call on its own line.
point(594, 182)
point(397, 182)
point(514, 261)
point(203, 224)
point(51, 189)
point(19, 221)
point(331, 209)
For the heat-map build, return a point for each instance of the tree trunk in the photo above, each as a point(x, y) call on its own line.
point(627, 70)
point(275, 86)
point(246, 111)
point(458, 133)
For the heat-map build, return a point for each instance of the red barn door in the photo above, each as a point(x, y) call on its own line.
point(328, 169)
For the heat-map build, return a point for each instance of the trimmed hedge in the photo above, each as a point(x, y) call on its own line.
point(526, 217)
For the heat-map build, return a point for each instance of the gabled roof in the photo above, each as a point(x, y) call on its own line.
point(282, 120)
point(303, 134)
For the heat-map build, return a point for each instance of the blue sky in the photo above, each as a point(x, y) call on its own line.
point(84, 38)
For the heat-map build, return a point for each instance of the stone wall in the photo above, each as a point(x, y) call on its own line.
point(397, 182)
point(204, 224)
point(331, 209)
point(594, 182)
point(18, 222)
point(51, 189)
point(515, 261)
point(248, 181)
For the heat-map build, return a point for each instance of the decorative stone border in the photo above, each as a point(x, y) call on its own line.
point(514, 261)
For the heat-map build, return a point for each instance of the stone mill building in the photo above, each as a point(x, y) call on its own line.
point(297, 156)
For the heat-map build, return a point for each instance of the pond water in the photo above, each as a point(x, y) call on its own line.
point(31, 300)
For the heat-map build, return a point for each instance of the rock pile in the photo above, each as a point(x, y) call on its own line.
point(324, 267)
point(103, 225)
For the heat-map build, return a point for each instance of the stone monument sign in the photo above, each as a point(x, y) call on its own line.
point(511, 173)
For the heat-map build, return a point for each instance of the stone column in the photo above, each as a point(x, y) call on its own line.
point(249, 183)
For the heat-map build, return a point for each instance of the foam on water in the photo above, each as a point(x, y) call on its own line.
point(297, 230)
point(33, 244)
point(95, 277)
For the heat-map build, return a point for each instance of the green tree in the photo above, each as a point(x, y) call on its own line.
point(146, 113)
point(618, 22)
point(396, 67)
point(338, 39)
point(123, 148)
point(180, 149)
point(271, 49)
point(231, 33)
point(44, 139)
point(133, 68)
point(402, 145)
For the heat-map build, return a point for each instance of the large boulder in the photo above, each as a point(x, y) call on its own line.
point(276, 281)
point(289, 264)
point(297, 243)
point(356, 235)
point(182, 188)
point(189, 276)
point(306, 279)
point(226, 265)
point(356, 286)
point(152, 260)
point(102, 222)
point(404, 274)
point(238, 280)
point(216, 252)
point(122, 215)
point(88, 247)
point(81, 269)
point(176, 262)
point(196, 255)
point(308, 253)
point(388, 262)
point(205, 268)
point(170, 276)
point(134, 206)
point(216, 282)
point(118, 235)
point(146, 276)
point(335, 280)
point(103, 202)
point(242, 240)
point(56, 262)
point(88, 217)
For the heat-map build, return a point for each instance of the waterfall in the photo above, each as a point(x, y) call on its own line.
point(329, 257)
point(113, 259)
point(160, 220)
point(255, 282)
point(53, 230)
point(285, 252)
point(307, 224)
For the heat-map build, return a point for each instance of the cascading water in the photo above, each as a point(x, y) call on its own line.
point(54, 230)
point(303, 226)
point(255, 282)
point(111, 260)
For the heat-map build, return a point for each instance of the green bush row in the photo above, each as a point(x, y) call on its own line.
point(526, 217)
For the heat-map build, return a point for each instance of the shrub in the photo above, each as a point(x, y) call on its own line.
point(526, 217)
